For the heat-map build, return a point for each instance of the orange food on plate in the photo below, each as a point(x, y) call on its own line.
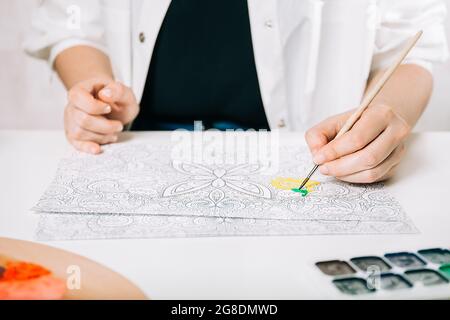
point(28, 281)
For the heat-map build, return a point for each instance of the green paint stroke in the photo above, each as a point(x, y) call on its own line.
point(304, 192)
point(445, 269)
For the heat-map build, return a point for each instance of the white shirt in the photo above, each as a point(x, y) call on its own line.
point(313, 57)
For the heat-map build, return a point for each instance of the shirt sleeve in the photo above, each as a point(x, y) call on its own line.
point(401, 19)
point(60, 24)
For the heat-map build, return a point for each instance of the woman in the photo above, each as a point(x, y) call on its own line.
point(233, 63)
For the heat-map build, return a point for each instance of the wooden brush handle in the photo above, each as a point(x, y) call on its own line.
point(368, 98)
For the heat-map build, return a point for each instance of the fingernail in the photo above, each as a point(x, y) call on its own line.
point(115, 138)
point(107, 93)
point(93, 150)
point(120, 128)
point(324, 170)
point(319, 158)
point(107, 109)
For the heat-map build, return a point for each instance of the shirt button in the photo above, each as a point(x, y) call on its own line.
point(142, 37)
point(269, 24)
point(281, 123)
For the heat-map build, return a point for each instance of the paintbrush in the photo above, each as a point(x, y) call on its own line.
point(368, 98)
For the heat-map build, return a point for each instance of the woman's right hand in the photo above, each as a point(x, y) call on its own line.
point(97, 111)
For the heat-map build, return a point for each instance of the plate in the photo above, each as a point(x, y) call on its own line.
point(86, 279)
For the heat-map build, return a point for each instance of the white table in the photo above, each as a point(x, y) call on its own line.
point(233, 268)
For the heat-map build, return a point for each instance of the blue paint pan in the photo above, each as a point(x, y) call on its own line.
point(405, 260)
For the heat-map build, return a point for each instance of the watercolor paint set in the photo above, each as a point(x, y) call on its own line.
point(390, 274)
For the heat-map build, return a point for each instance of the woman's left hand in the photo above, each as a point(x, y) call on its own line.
point(369, 152)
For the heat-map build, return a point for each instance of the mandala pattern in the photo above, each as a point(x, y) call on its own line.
point(200, 177)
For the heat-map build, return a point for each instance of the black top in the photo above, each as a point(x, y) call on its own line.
point(203, 68)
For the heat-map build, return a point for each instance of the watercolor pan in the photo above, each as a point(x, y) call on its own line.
point(445, 269)
point(405, 260)
point(404, 270)
point(368, 263)
point(335, 268)
point(392, 281)
point(353, 286)
point(436, 256)
point(426, 277)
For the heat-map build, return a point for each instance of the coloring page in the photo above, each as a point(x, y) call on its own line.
point(142, 177)
point(53, 227)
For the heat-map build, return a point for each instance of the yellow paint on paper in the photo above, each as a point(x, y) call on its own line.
point(293, 183)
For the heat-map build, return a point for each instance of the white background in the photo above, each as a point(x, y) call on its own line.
point(33, 98)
